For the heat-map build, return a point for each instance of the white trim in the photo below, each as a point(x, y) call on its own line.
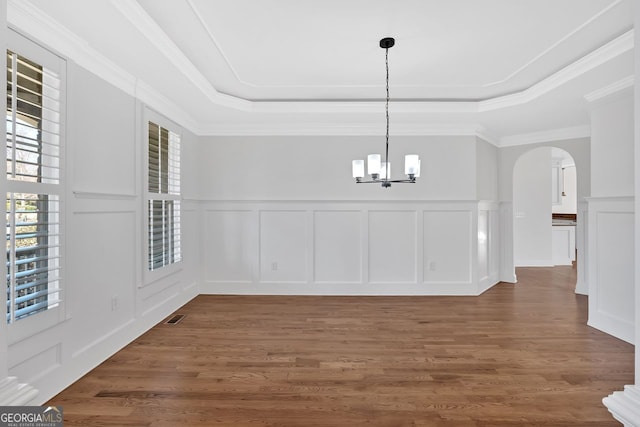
point(546, 136)
point(592, 60)
point(618, 86)
point(625, 405)
point(13, 393)
point(24, 15)
point(299, 128)
point(141, 20)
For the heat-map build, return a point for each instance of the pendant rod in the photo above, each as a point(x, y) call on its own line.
point(386, 155)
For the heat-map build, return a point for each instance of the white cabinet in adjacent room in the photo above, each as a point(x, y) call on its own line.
point(564, 244)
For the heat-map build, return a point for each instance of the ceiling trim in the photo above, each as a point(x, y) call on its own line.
point(556, 44)
point(546, 136)
point(609, 51)
point(606, 91)
point(334, 129)
point(196, 12)
point(27, 18)
point(141, 20)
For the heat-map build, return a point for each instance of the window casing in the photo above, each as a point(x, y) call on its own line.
point(163, 197)
point(33, 211)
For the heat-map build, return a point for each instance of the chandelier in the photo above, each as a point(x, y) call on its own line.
point(379, 171)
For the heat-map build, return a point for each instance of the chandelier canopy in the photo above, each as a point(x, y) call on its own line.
point(379, 171)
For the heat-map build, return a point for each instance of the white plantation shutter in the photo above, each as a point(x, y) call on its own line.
point(33, 198)
point(163, 199)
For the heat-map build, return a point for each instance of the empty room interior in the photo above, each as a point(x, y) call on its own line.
point(322, 212)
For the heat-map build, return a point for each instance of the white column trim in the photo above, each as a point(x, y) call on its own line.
point(625, 405)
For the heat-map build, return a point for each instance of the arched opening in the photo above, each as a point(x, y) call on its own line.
point(547, 224)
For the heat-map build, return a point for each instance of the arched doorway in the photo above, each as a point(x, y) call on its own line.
point(548, 213)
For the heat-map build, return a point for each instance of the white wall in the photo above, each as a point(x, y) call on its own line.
point(579, 149)
point(532, 207)
point(612, 145)
point(487, 170)
point(319, 168)
point(104, 239)
point(623, 404)
point(611, 216)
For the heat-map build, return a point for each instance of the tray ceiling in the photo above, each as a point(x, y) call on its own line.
point(225, 63)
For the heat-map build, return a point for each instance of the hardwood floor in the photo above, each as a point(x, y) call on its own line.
point(519, 355)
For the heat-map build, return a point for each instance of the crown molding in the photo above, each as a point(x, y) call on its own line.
point(376, 106)
point(558, 42)
point(29, 19)
point(141, 20)
point(546, 136)
point(334, 129)
point(609, 51)
point(611, 89)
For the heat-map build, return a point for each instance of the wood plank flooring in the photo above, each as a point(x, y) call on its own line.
point(519, 355)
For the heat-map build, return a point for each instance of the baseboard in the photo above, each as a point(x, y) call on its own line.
point(100, 350)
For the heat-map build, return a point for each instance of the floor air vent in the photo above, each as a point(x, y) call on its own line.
point(175, 319)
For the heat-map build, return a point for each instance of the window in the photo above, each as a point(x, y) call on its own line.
point(163, 198)
point(33, 178)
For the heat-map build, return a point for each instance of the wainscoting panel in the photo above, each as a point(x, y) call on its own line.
point(349, 248)
point(392, 247)
point(231, 246)
point(283, 246)
point(611, 266)
point(38, 365)
point(447, 247)
point(337, 248)
point(105, 275)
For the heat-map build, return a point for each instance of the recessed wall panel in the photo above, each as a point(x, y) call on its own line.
point(230, 247)
point(615, 261)
point(105, 275)
point(283, 246)
point(337, 246)
point(447, 246)
point(392, 246)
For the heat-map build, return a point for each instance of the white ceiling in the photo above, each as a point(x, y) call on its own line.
point(509, 70)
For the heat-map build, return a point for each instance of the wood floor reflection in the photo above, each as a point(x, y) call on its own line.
point(518, 355)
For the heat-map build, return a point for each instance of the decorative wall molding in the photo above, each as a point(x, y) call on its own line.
point(290, 248)
point(610, 266)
